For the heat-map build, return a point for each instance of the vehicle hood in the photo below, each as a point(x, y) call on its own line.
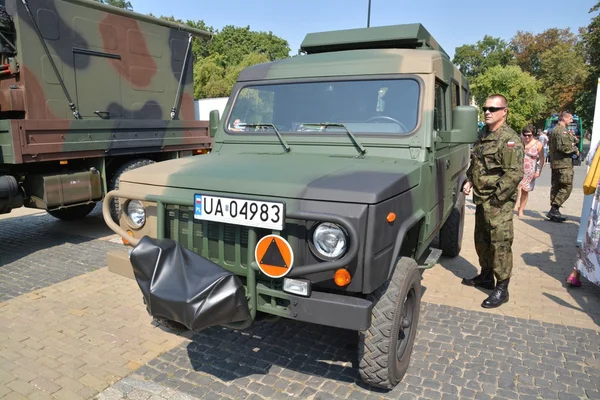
point(366, 180)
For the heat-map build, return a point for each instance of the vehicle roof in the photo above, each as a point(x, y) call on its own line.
point(347, 63)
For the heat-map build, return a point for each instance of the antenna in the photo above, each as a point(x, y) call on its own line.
point(369, 15)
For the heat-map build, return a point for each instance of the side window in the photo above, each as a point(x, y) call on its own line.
point(455, 95)
point(465, 97)
point(439, 110)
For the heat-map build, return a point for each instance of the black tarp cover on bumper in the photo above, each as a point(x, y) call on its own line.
point(180, 285)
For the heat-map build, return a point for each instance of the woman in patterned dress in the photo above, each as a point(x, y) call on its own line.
point(532, 167)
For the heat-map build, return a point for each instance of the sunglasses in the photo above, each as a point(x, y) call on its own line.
point(492, 109)
point(526, 134)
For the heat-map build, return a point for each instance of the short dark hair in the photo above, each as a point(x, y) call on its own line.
point(528, 128)
point(563, 115)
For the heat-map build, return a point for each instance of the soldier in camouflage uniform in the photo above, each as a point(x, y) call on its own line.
point(562, 149)
point(494, 175)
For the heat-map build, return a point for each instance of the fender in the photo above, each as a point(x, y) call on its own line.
point(406, 225)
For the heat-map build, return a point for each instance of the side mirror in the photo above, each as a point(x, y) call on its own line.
point(213, 122)
point(464, 126)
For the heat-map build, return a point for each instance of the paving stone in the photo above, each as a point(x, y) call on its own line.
point(34, 258)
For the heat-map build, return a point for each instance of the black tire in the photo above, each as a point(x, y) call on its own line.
point(451, 234)
point(73, 213)
point(113, 184)
point(384, 350)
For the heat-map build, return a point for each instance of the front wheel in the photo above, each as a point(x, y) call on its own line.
point(451, 234)
point(384, 350)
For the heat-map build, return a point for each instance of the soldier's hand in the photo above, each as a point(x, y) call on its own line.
point(467, 186)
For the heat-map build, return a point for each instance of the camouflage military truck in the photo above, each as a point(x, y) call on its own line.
point(88, 91)
point(332, 174)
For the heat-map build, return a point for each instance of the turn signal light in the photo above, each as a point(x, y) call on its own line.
point(125, 242)
point(391, 217)
point(201, 151)
point(342, 277)
point(63, 162)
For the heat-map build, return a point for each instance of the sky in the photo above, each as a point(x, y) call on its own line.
point(452, 24)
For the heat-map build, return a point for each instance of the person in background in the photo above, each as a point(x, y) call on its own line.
point(543, 139)
point(562, 149)
point(533, 163)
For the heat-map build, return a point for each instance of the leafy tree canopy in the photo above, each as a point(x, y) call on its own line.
point(475, 59)
point(520, 89)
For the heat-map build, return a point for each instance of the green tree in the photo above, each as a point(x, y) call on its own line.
point(219, 61)
point(214, 77)
point(520, 89)
point(562, 72)
point(475, 59)
point(528, 48)
point(586, 100)
point(118, 3)
point(234, 43)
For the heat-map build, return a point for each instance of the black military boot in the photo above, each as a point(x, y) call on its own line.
point(484, 280)
point(498, 297)
point(554, 214)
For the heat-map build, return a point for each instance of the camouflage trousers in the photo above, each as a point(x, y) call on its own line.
point(494, 237)
point(562, 184)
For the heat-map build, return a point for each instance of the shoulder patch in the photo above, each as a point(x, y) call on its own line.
point(510, 143)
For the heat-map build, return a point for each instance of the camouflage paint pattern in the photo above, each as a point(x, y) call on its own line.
point(562, 148)
point(121, 70)
point(495, 171)
point(562, 185)
point(494, 236)
point(416, 176)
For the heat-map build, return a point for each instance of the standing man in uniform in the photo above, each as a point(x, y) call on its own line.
point(494, 175)
point(562, 148)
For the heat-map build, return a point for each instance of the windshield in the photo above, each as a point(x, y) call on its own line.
point(389, 106)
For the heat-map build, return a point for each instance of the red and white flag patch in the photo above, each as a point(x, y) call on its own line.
point(511, 144)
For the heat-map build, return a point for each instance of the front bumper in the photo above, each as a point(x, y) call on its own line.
point(321, 308)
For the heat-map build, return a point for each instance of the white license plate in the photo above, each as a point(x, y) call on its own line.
point(258, 214)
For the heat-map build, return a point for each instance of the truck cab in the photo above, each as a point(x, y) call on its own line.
point(331, 175)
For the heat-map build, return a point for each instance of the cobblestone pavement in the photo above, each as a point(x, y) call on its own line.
point(37, 251)
point(82, 332)
point(458, 354)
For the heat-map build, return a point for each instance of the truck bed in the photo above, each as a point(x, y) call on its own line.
point(27, 141)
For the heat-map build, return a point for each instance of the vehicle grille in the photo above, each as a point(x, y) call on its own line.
point(225, 244)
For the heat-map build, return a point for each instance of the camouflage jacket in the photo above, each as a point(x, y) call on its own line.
point(496, 165)
point(561, 148)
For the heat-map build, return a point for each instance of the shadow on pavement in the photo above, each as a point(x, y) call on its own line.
point(25, 235)
point(315, 350)
point(559, 262)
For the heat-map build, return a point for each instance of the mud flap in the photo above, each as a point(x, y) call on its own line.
point(179, 285)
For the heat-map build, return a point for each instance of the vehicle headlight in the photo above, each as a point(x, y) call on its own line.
point(136, 214)
point(330, 241)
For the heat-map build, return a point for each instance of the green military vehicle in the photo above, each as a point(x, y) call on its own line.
point(88, 91)
point(331, 175)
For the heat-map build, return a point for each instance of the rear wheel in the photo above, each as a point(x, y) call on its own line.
point(384, 350)
point(73, 213)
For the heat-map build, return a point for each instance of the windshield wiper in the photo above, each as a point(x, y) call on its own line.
point(328, 124)
point(283, 142)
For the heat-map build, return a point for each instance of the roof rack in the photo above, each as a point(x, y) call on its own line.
point(405, 36)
